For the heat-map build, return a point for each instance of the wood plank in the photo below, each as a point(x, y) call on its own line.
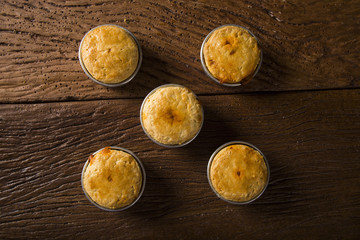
point(311, 139)
point(307, 45)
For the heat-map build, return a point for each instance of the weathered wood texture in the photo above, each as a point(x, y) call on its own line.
point(311, 139)
point(306, 44)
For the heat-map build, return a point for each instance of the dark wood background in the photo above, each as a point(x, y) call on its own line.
point(302, 110)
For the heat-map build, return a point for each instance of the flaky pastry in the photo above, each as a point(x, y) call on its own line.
point(109, 54)
point(231, 54)
point(238, 173)
point(112, 179)
point(172, 115)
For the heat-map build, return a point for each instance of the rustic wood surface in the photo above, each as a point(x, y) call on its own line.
point(313, 152)
point(306, 45)
point(302, 110)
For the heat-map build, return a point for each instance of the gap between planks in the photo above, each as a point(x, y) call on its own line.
point(199, 95)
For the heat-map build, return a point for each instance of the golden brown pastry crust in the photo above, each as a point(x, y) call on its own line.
point(109, 54)
point(238, 173)
point(112, 179)
point(231, 54)
point(172, 115)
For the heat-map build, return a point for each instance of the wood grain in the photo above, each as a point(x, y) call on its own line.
point(307, 45)
point(311, 139)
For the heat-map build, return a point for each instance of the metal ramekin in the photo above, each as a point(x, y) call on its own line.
point(142, 184)
point(237, 143)
point(170, 145)
point(112, 84)
point(206, 70)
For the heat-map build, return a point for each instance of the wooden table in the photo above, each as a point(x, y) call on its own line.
point(302, 110)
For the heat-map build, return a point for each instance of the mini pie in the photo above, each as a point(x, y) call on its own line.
point(112, 179)
point(238, 173)
point(109, 54)
point(231, 54)
point(172, 115)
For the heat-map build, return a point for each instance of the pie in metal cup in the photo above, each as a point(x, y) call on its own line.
point(244, 144)
point(143, 180)
point(156, 141)
point(212, 77)
point(125, 81)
